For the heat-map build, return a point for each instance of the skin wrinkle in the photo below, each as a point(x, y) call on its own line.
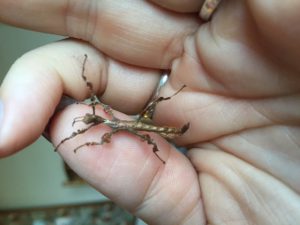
point(92, 19)
point(222, 147)
point(179, 5)
point(191, 214)
point(259, 200)
point(192, 208)
point(233, 185)
point(157, 181)
point(104, 71)
point(263, 117)
point(146, 197)
point(292, 138)
point(154, 182)
point(171, 44)
point(243, 196)
point(65, 12)
point(175, 45)
point(183, 198)
point(74, 23)
point(220, 82)
point(277, 176)
point(176, 61)
point(258, 48)
point(272, 121)
point(223, 184)
point(244, 126)
point(68, 17)
point(143, 201)
point(204, 65)
point(261, 107)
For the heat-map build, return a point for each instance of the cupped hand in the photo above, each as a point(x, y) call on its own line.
point(242, 101)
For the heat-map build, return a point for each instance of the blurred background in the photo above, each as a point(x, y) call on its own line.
point(35, 185)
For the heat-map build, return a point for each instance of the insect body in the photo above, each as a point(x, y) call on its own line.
point(142, 123)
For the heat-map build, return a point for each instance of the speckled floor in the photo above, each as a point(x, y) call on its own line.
point(91, 214)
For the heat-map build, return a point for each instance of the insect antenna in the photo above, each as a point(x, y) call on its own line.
point(147, 114)
point(183, 86)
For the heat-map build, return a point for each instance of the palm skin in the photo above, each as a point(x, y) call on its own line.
point(242, 102)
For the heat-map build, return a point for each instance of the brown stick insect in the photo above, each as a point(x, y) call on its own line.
point(142, 123)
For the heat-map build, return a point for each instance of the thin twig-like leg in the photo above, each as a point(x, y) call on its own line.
point(147, 114)
point(94, 99)
point(89, 84)
point(87, 144)
point(105, 139)
point(77, 119)
point(107, 109)
point(107, 136)
point(74, 134)
point(149, 140)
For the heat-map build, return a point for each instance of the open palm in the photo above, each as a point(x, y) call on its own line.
point(242, 101)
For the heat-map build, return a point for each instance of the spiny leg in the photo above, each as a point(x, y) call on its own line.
point(89, 84)
point(105, 139)
point(147, 114)
point(107, 136)
point(74, 134)
point(87, 144)
point(94, 99)
point(107, 109)
point(77, 119)
point(149, 140)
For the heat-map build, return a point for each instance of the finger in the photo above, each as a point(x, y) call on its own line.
point(127, 171)
point(227, 179)
point(135, 32)
point(267, 15)
point(35, 83)
point(47, 16)
point(179, 5)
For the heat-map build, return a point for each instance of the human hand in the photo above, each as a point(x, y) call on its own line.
point(242, 101)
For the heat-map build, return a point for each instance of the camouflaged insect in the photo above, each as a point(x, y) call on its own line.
point(142, 123)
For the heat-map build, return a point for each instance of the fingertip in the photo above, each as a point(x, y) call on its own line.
point(2, 152)
point(29, 94)
point(21, 124)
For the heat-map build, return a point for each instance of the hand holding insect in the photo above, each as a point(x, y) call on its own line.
point(142, 123)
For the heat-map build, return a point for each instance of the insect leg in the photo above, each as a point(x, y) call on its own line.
point(74, 134)
point(107, 109)
point(147, 114)
point(149, 140)
point(77, 119)
point(88, 83)
point(94, 99)
point(86, 144)
point(107, 136)
point(105, 139)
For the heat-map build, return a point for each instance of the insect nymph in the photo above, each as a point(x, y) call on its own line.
point(142, 123)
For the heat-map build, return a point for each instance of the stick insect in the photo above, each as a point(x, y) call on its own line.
point(142, 123)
